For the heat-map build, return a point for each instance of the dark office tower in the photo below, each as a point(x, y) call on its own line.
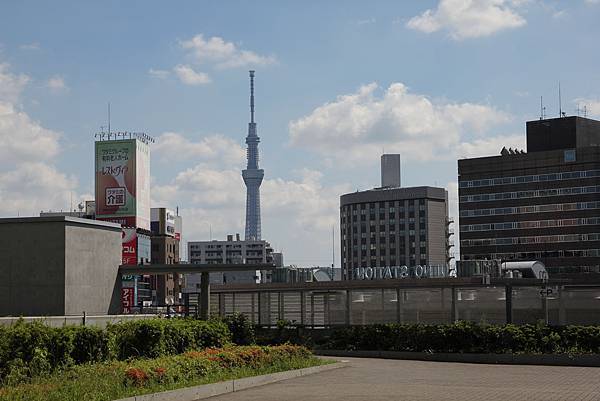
point(252, 175)
point(540, 205)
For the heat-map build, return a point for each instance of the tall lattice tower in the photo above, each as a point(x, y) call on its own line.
point(252, 175)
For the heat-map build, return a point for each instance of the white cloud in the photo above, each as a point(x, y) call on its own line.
point(297, 214)
point(11, 85)
point(464, 19)
point(367, 21)
point(215, 50)
point(29, 182)
point(30, 46)
point(31, 187)
point(490, 146)
point(217, 148)
point(188, 76)
point(592, 1)
point(57, 84)
point(161, 74)
point(24, 140)
point(354, 127)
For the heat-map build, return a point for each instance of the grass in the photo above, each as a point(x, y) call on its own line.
point(120, 379)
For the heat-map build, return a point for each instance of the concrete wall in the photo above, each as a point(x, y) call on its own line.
point(32, 268)
point(58, 266)
point(92, 259)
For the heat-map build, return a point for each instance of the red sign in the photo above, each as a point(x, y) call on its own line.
point(127, 299)
point(129, 255)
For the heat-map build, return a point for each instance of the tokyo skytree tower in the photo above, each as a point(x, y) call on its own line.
point(252, 175)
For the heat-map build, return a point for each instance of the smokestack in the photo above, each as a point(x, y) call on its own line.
point(390, 170)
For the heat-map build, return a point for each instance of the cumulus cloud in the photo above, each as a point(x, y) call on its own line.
point(294, 211)
point(29, 182)
point(24, 140)
point(57, 84)
point(464, 19)
point(215, 50)
point(11, 85)
point(217, 148)
point(189, 76)
point(354, 127)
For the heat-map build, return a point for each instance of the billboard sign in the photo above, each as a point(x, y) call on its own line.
point(129, 240)
point(123, 182)
point(163, 221)
point(127, 299)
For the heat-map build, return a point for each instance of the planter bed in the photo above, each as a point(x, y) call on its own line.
point(120, 379)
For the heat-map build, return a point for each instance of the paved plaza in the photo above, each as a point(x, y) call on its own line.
point(384, 379)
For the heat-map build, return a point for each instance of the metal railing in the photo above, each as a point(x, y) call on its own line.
point(493, 304)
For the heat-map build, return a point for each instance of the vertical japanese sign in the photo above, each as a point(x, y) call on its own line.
point(129, 256)
point(127, 299)
point(123, 182)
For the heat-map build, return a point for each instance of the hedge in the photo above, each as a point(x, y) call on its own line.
point(466, 337)
point(32, 349)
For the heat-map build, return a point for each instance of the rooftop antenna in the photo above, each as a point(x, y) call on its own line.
point(560, 112)
point(108, 120)
point(585, 110)
point(542, 108)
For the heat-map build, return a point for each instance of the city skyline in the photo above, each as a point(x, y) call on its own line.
point(415, 79)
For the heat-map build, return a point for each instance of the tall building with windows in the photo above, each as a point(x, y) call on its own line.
point(385, 227)
point(540, 205)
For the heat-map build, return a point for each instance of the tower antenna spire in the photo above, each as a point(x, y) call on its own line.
point(251, 96)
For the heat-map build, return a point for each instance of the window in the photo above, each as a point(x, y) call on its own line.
point(570, 155)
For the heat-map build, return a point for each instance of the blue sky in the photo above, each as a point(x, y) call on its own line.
point(336, 84)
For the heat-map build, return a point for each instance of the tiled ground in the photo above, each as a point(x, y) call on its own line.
point(383, 379)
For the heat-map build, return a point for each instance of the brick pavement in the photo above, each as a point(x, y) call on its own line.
point(384, 379)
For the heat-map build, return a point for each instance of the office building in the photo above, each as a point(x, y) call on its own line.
point(166, 288)
point(543, 204)
point(233, 250)
point(394, 226)
point(56, 266)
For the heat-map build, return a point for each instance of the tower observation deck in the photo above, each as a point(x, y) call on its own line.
point(252, 175)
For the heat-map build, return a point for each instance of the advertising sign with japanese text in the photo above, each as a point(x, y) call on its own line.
point(123, 182)
point(129, 255)
point(127, 299)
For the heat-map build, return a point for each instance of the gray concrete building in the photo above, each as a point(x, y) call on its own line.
point(59, 266)
point(543, 204)
point(233, 250)
point(390, 170)
point(386, 227)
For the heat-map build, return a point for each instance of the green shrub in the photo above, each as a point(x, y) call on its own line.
point(241, 328)
point(155, 337)
point(34, 349)
point(467, 337)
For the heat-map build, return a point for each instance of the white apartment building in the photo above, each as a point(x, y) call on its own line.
point(233, 250)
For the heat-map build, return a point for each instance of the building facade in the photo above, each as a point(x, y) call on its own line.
point(540, 205)
point(233, 250)
point(386, 227)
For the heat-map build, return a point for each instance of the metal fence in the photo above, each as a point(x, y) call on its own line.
point(85, 320)
point(494, 304)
